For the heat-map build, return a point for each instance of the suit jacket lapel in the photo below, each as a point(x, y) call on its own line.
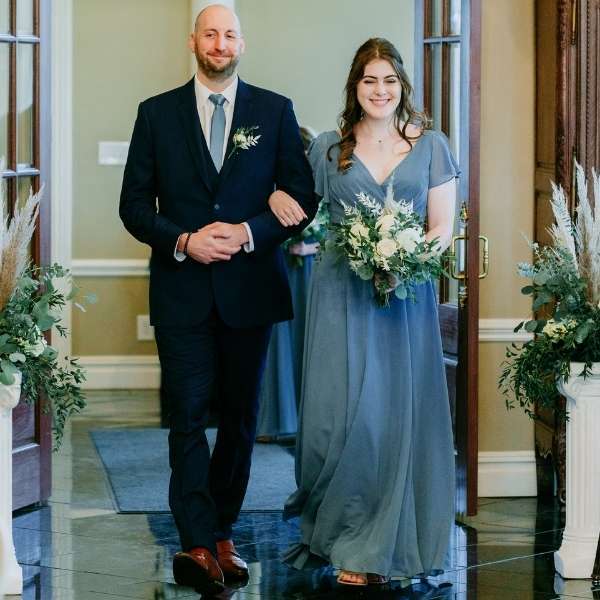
point(241, 115)
point(194, 135)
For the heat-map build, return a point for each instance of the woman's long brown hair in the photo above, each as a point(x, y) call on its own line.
point(373, 49)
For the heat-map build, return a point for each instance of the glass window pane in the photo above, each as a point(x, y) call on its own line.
point(24, 187)
point(24, 105)
point(454, 100)
point(455, 16)
point(3, 197)
point(436, 85)
point(436, 13)
point(4, 95)
point(4, 16)
point(23, 190)
point(25, 17)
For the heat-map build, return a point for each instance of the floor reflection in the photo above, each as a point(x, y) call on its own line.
point(78, 548)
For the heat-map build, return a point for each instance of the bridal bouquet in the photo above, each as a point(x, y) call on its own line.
point(386, 244)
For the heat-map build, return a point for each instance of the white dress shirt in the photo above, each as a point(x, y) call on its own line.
point(206, 108)
point(205, 112)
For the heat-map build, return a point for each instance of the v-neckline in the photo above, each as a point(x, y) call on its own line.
point(396, 166)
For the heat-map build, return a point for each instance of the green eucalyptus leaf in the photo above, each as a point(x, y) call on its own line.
point(6, 378)
point(582, 332)
point(401, 292)
point(541, 278)
point(365, 273)
point(531, 326)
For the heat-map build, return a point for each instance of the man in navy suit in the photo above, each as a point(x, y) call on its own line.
point(204, 160)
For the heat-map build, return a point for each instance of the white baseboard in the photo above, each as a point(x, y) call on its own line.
point(504, 474)
point(502, 330)
point(121, 372)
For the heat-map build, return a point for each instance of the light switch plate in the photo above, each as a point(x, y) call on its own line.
point(145, 331)
point(112, 153)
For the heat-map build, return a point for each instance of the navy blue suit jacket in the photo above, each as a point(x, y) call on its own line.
point(171, 186)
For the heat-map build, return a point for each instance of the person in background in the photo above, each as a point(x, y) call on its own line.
point(280, 393)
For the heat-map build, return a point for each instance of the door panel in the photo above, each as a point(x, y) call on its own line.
point(447, 76)
point(24, 143)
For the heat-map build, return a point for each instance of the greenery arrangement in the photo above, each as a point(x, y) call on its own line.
point(30, 306)
point(565, 289)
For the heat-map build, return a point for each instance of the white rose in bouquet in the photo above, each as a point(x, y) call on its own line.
point(385, 224)
point(358, 230)
point(386, 248)
point(408, 239)
point(37, 348)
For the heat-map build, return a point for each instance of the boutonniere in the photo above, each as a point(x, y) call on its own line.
point(243, 139)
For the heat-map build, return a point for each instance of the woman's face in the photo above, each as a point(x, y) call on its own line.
point(379, 91)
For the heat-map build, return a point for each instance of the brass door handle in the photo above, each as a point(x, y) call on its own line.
point(452, 254)
point(486, 256)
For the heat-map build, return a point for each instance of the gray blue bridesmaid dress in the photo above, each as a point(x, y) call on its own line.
point(280, 392)
point(375, 456)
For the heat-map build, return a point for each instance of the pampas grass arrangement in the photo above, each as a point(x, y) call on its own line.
point(565, 292)
point(15, 239)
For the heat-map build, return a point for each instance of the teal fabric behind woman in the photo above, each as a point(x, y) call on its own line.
point(280, 393)
point(375, 457)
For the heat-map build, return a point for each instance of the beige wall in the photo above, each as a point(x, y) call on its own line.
point(304, 49)
point(124, 53)
point(507, 192)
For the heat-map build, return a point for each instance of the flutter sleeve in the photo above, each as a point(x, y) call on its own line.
point(443, 166)
point(317, 157)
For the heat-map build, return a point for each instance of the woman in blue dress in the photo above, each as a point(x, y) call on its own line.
point(280, 391)
point(375, 457)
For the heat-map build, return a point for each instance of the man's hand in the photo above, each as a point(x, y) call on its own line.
point(217, 241)
point(234, 234)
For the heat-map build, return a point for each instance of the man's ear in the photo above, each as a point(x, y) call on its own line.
point(243, 46)
point(192, 42)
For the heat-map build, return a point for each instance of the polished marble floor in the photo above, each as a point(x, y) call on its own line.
point(78, 548)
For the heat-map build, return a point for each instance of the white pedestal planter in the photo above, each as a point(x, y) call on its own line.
point(575, 559)
point(11, 576)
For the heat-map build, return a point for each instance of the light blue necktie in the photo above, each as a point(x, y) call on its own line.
point(217, 130)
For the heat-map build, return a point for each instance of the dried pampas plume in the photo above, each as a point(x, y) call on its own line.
point(15, 237)
point(582, 236)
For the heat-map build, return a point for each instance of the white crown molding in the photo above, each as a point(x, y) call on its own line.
point(502, 330)
point(141, 372)
point(106, 267)
point(503, 474)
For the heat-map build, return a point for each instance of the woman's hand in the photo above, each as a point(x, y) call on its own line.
point(286, 209)
point(303, 249)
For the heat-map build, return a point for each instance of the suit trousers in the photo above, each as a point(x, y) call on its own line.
point(198, 363)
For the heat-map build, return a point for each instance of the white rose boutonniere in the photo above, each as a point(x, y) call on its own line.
point(244, 139)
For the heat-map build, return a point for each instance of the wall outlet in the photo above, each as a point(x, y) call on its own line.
point(145, 331)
